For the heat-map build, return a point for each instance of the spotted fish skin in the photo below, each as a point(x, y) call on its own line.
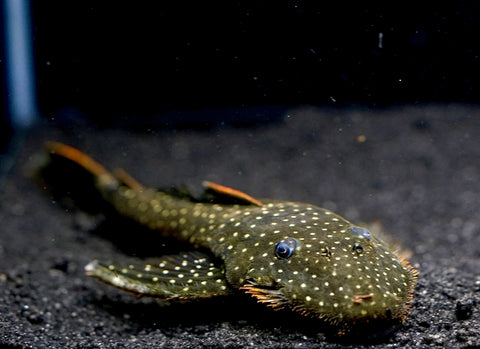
point(285, 254)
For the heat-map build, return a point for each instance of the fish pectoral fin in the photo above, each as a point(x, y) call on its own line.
point(232, 193)
point(270, 295)
point(189, 275)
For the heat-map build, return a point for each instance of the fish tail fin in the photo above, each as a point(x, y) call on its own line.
point(102, 175)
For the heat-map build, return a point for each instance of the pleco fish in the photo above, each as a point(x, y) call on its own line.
point(288, 255)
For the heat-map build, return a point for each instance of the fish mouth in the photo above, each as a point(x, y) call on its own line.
point(274, 297)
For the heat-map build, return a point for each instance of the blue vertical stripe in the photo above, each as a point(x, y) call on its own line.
point(20, 79)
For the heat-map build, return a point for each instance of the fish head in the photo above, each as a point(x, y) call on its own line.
point(324, 266)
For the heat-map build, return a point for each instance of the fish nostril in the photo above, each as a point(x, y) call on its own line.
point(326, 252)
point(357, 247)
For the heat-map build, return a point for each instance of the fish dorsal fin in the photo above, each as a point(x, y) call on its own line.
point(231, 193)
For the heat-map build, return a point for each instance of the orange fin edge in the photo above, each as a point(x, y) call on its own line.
point(76, 156)
point(232, 192)
point(127, 179)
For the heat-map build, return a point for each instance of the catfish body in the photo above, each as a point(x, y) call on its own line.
point(285, 254)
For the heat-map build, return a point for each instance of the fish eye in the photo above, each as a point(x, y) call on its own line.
point(285, 248)
point(361, 232)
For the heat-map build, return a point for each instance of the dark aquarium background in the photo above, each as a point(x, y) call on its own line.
point(111, 61)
